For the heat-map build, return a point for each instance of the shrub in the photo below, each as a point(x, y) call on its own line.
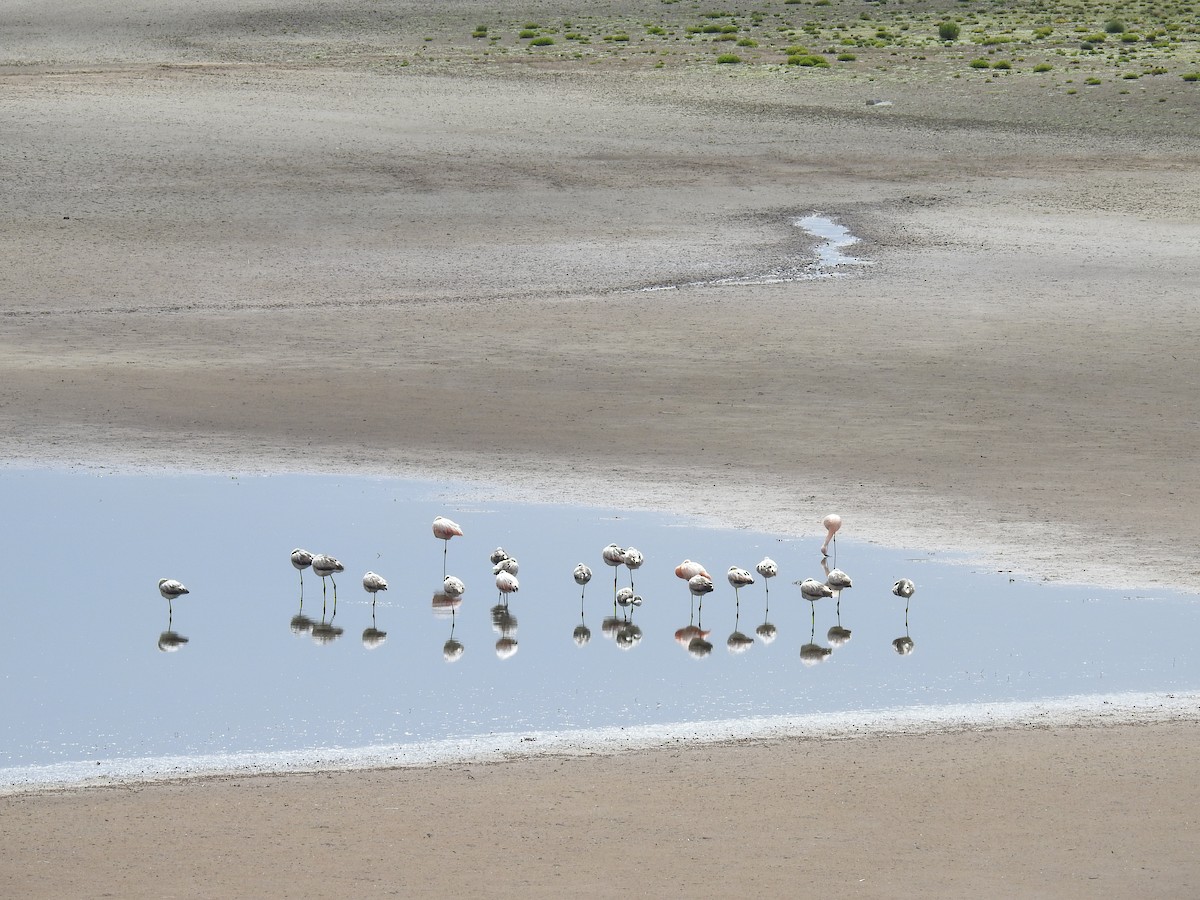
point(812, 60)
point(1191, 76)
point(1043, 67)
point(1114, 26)
point(1092, 80)
point(980, 64)
point(747, 42)
point(948, 31)
point(1002, 64)
point(480, 31)
point(542, 41)
point(846, 57)
point(728, 58)
point(527, 33)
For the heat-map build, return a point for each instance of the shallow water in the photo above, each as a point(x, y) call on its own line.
point(85, 680)
point(829, 262)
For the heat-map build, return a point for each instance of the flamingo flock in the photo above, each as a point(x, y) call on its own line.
point(620, 626)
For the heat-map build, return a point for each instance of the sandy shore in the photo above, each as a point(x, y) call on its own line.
point(254, 238)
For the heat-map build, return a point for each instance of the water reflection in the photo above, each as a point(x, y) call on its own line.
point(334, 696)
point(444, 605)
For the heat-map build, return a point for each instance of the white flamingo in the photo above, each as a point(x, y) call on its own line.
point(904, 588)
point(453, 587)
point(373, 583)
point(739, 578)
point(633, 560)
point(508, 564)
point(811, 589)
point(443, 530)
point(301, 559)
point(325, 566)
point(170, 589)
point(507, 583)
point(497, 555)
point(613, 556)
point(582, 576)
point(768, 570)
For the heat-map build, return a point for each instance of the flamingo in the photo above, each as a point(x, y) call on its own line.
point(325, 566)
point(904, 588)
point(582, 576)
point(453, 587)
point(508, 564)
point(688, 570)
point(443, 530)
point(700, 585)
point(507, 583)
point(613, 556)
point(811, 589)
point(301, 559)
point(832, 523)
point(170, 589)
point(739, 578)
point(633, 560)
point(497, 555)
point(373, 583)
point(767, 569)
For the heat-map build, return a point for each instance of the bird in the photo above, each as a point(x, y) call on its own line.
point(443, 530)
point(170, 589)
point(582, 576)
point(767, 569)
point(508, 564)
point(832, 523)
point(838, 580)
point(904, 588)
point(453, 587)
point(700, 585)
point(301, 559)
point(507, 583)
point(739, 578)
point(688, 570)
point(325, 566)
point(613, 556)
point(373, 583)
point(497, 555)
point(633, 560)
point(811, 589)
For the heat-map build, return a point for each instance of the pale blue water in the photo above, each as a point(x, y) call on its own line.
point(83, 677)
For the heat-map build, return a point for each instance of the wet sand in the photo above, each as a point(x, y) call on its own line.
point(245, 248)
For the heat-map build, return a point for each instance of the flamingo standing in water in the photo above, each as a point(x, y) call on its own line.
point(633, 560)
point(301, 559)
point(373, 583)
point(325, 566)
point(768, 570)
point(613, 556)
point(811, 589)
point(170, 589)
point(582, 576)
point(453, 587)
point(904, 588)
point(507, 583)
point(832, 523)
point(739, 578)
point(443, 530)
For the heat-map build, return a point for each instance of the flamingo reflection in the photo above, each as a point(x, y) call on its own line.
point(692, 637)
point(170, 640)
point(447, 604)
point(812, 652)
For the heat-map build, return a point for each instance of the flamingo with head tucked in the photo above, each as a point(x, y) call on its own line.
point(443, 530)
point(832, 523)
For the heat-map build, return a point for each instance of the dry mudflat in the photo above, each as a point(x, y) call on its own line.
point(355, 238)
